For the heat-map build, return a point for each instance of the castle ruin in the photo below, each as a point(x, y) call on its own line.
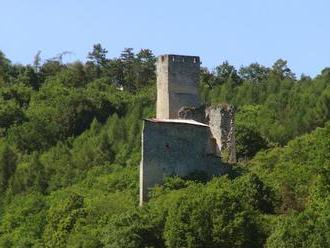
point(185, 137)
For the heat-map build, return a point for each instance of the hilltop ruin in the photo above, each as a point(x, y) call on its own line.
point(185, 137)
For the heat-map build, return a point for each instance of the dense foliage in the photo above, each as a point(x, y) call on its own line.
point(70, 149)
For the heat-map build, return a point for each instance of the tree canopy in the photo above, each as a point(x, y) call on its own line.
point(70, 151)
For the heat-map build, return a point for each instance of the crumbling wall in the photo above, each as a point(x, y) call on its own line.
point(176, 149)
point(221, 122)
point(188, 113)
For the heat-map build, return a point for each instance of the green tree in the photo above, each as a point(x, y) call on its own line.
point(8, 161)
point(62, 217)
point(280, 68)
point(4, 69)
point(225, 72)
point(248, 142)
point(254, 73)
point(29, 176)
point(98, 55)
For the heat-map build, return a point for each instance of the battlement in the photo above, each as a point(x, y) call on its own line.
point(172, 58)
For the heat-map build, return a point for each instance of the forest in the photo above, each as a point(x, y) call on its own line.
point(70, 153)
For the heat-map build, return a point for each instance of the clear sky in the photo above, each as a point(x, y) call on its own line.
point(240, 31)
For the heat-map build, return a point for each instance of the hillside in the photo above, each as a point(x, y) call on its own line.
point(70, 150)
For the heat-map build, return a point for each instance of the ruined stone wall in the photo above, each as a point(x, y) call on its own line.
point(197, 114)
point(177, 84)
point(172, 148)
point(221, 122)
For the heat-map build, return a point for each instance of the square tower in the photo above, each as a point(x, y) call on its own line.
point(177, 84)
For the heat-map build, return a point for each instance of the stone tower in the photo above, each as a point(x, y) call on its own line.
point(177, 84)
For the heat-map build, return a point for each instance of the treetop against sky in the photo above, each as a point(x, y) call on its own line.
point(241, 32)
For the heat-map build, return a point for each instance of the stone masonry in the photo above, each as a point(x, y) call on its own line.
point(176, 148)
point(177, 84)
point(185, 137)
point(221, 122)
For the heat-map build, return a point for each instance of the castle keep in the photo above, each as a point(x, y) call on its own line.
point(177, 84)
point(185, 137)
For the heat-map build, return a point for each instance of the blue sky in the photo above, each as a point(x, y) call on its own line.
point(240, 31)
